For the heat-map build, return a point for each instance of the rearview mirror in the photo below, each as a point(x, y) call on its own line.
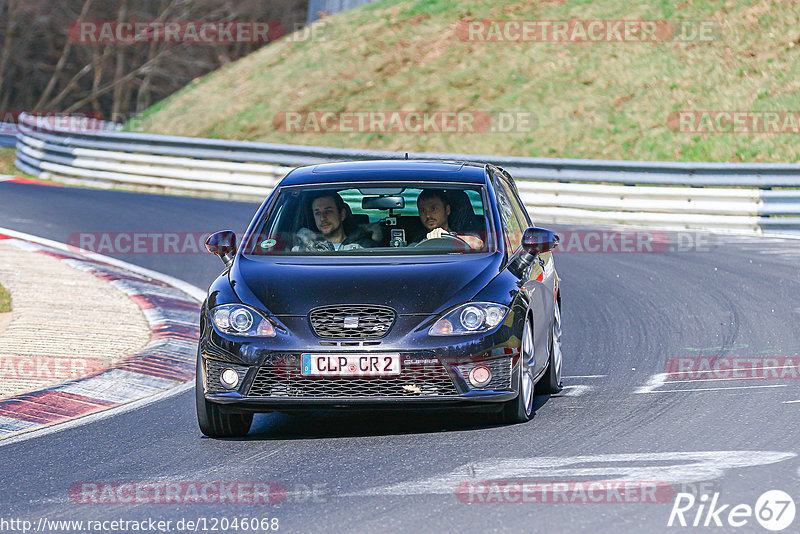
point(538, 240)
point(383, 203)
point(222, 244)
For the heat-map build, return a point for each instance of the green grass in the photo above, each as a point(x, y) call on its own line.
point(7, 156)
point(590, 100)
point(5, 300)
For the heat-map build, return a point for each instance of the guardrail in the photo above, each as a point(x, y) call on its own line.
point(720, 196)
point(331, 7)
point(8, 134)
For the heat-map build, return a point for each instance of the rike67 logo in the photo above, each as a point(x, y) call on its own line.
point(774, 510)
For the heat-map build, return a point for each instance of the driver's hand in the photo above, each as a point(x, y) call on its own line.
point(436, 233)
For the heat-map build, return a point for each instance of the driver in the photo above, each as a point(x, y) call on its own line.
point(434, 211)
point(330, 215)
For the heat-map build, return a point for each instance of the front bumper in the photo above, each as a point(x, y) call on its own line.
point(240, 404)
point(426, 381)
point(434, 370)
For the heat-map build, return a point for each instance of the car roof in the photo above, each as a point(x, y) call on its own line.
point(388, 171)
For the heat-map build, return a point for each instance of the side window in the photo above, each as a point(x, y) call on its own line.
point(519, 208)
point(512, 227)
point(352, 197)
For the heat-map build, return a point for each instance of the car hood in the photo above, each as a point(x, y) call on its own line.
point(424, 285)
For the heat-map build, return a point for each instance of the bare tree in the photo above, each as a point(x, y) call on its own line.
point(43, 67)
point(62, 60)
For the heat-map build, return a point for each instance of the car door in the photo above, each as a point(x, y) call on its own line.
point(538, 279)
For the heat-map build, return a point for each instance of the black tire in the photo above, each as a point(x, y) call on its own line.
point(550, 383)
point(213, 422)
point(520, 409)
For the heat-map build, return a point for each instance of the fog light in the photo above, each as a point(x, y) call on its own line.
point(480, 376)
point(229, 378)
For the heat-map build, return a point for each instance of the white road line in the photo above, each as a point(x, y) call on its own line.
point(716, 379)
point(791, 402)
point(711, 389)
point(573, 391)
point(187, 288)
point(585, 376)
point(654, 382)
point(674, 467)
point(111, 412)
point(697, 371)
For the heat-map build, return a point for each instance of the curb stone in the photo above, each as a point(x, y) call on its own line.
point(166, 362)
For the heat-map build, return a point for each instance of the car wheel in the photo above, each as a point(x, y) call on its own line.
point(550, 383)
point(520, 410)
point(213, 422)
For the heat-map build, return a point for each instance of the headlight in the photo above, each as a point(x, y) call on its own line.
point(241, 321)
point(469, 318)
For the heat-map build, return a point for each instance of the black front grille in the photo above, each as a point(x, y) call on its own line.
point(420, 377)
point(351, 322)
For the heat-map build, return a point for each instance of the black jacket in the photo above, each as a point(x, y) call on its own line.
point(308, 241)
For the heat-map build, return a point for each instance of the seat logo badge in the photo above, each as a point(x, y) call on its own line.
point(351, 322)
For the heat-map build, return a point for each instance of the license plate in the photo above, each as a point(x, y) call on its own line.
point(350, 365)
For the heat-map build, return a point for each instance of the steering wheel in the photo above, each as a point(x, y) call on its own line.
point(445, 241)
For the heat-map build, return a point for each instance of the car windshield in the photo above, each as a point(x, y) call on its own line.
point(376, 218)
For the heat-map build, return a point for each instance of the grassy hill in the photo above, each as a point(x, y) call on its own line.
point(608, 100)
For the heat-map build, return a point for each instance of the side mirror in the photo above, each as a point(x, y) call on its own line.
point(222, 244)
point(538, 240)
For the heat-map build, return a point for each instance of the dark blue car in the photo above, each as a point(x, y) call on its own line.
point(381, 284)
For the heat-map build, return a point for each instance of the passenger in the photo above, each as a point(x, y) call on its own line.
point(330, 214)
point(434, 211)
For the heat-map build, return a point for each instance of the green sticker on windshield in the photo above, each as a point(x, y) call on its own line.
point(268, 243)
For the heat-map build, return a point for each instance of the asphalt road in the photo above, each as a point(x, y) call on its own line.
point(626, 315)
